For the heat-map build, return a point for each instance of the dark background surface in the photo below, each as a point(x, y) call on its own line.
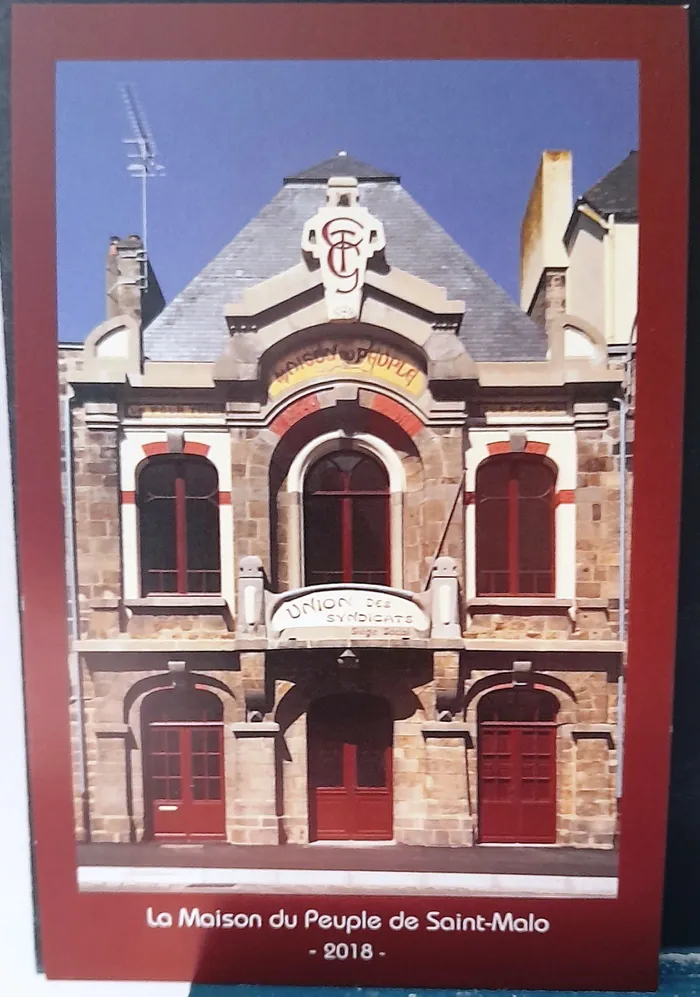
point(680, 970)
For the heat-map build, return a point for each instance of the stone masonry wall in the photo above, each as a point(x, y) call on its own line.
point(597, 531)
point(97, 516)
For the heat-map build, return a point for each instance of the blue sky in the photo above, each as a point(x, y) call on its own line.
point(465, 137)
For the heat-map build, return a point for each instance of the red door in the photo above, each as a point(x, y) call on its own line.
point(517, 768)
point(350, 741)
point(183, 767)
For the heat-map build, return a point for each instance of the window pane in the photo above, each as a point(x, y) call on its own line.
point(202, 535)
point(369, 475)
point(492, 545)
point(371, 765)
point(157, 541)
point(325, 476)
point(214, 787)
point(157, 479)
point(158, 765)
point(322, 540)
point(493, 540)
point(535, 527)
point(326, 763)
point(370, 539)
point(201, 479)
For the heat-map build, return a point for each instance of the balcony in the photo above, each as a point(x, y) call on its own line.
point(340, 613)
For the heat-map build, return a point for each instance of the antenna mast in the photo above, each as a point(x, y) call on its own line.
point(143, 166)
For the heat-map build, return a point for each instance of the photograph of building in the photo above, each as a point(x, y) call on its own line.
point(348, 546)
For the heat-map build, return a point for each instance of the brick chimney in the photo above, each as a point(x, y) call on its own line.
point(124, 282)
point(543, 256)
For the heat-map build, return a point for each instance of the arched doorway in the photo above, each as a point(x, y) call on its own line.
point(517, 766)
point(350, 742)
point(347, 520)
point(183, 764)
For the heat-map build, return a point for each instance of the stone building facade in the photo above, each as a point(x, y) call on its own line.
point(344, 537)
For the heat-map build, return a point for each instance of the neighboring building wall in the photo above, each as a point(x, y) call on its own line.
point(624, 280)
point(585, 277)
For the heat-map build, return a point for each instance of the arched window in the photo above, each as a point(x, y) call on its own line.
point(346, 520)
point(178, 502)
point(515, 526)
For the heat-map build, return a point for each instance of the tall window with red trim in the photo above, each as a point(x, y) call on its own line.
point(515, 526)
point(178, 503)
point(346, 520)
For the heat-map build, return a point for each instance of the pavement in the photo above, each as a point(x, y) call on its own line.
point(384, 869)
point(376, 857)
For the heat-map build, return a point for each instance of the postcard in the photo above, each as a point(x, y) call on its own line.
point(348, 363)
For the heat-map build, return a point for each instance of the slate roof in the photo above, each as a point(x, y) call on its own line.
point(192, 327)
point(340, 165)
point(616, 193)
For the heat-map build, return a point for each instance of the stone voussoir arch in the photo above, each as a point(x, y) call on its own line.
point(564, 694)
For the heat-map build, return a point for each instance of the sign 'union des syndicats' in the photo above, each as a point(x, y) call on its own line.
point(361, 612)
point(352, 357)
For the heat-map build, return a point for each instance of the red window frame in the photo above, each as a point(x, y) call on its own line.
point(167, 569)
point(520, 513)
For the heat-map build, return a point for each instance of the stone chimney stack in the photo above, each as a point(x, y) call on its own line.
point(124, 282)
point(543, 256)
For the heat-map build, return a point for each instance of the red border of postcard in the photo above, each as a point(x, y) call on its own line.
point(593, 944)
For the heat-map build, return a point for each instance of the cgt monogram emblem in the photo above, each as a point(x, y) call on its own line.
point(343, 236)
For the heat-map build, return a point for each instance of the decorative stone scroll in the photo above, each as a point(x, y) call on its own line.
point(343, 236)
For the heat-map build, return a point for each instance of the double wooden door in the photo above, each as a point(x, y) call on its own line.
point(517, 768)
point(184, 768)
point(350, 743)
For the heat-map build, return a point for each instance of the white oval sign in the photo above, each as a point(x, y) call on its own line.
point(364, 612)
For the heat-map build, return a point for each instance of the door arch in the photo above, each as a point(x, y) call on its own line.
point(350, 777)
point(347, 521)
point(517, 766)
point(183, 765)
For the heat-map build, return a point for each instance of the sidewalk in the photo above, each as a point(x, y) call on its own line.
point(376, 868)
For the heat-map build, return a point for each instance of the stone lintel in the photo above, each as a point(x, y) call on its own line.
point(580, 732)
point(534, 645)
point(263, 729)
point(131, 645)
point(519, 602)
point(183, 603)
point(456, 729)
point(113, 730)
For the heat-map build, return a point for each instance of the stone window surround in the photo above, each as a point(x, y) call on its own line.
point(559, 445)
point(133, 451)
point(320, 447)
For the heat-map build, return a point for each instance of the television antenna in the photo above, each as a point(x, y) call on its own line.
point(143, 164)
